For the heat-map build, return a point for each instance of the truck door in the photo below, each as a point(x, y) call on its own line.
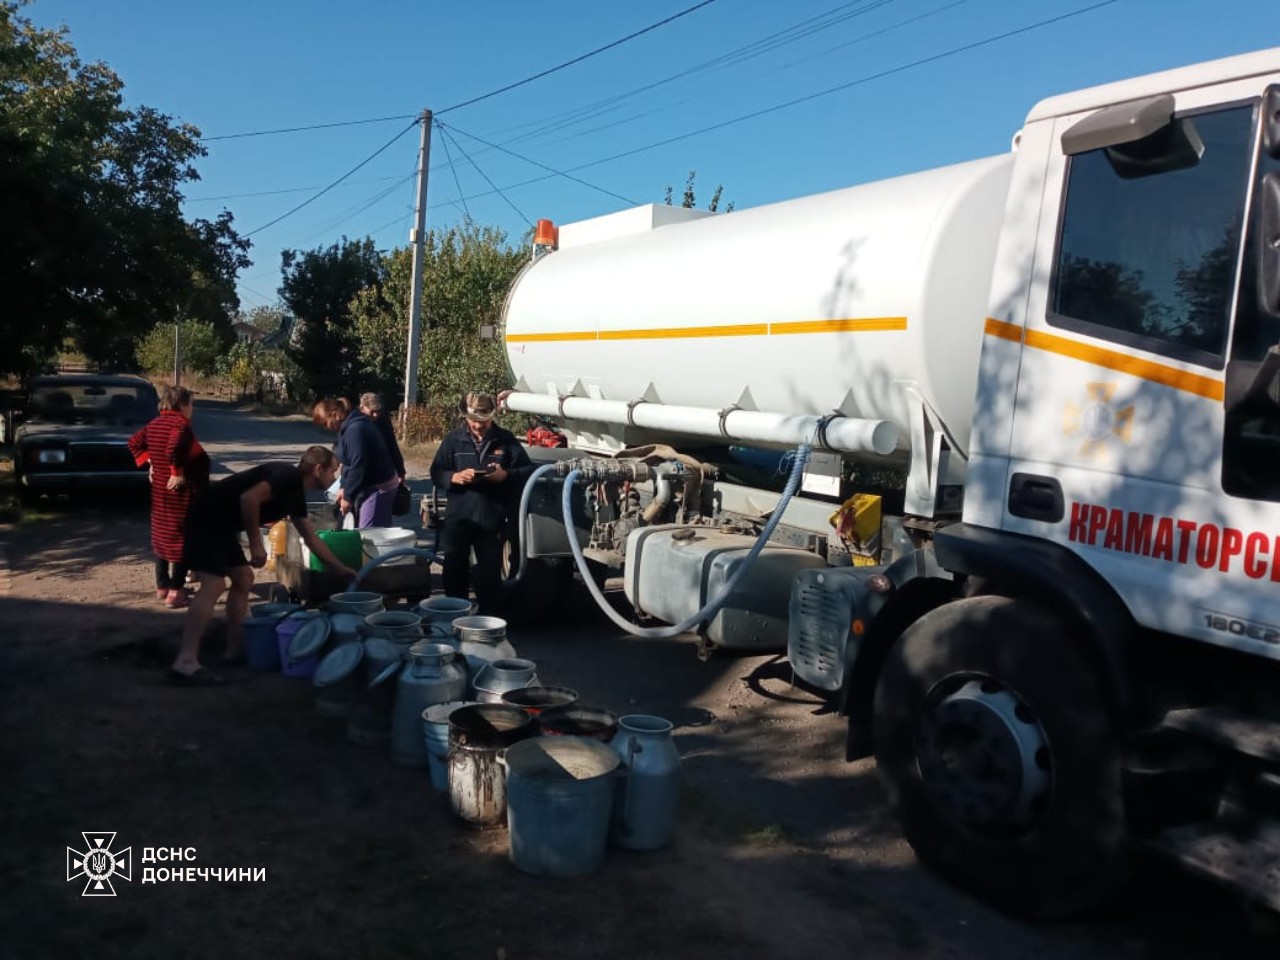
point(1145, 434)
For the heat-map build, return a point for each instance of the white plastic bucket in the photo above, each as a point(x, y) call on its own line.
point(378, 541)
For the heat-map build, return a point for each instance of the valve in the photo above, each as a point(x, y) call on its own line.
point(604, 471)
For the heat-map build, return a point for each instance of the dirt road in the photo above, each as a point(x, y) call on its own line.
point(783, 850)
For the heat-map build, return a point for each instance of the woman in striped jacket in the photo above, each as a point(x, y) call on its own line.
point(179, 467)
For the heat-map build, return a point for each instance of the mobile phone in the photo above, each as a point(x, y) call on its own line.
point(487, 468)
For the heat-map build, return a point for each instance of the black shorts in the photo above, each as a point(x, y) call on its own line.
point(213, 551)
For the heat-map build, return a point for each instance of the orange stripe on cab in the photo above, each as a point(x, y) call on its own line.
point(1111, 359)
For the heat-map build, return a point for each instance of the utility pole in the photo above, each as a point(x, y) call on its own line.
point(418, 240)
point(177, 353)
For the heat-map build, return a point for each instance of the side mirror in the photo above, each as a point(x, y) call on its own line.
point(1268, 200)
point(1263, 387)
point(1140, 137)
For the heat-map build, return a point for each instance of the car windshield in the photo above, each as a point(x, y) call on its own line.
point(92, 403)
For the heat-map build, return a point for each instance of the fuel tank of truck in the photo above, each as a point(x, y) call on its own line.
point(823, 303)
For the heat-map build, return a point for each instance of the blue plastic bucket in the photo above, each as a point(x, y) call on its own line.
point(559, 803)
point(261, 648)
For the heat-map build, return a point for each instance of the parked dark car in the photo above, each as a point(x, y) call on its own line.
point(73, 433)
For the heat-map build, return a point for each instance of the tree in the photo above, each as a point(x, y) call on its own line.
point(467, 272)
point(94, 247)
point(689, 199)
point(317, 286)
point(202, 347)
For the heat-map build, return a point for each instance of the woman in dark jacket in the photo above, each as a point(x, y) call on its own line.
point(371, 407)
point(369, 478)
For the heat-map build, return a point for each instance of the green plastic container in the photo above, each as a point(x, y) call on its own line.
point(345, 545)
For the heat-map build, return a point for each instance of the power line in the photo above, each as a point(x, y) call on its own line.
point(360, 208)
point(273, 193)
point(466, 103)
point(312, 126)
point(444, 141)
point(586, 56)
point(748, 51)
point(814, 96)
point(317, 196)
point(542, 166)
point(498, 190)
point(769, 42)
point(852, 83)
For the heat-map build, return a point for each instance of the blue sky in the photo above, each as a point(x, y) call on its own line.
point(242, 66)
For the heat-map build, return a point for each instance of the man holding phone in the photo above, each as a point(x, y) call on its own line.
point(482, 468)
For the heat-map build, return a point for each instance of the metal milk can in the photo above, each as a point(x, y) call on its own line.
point(438, 614)
point(645, 801)
point(401, 626)
point(496, 677)
point(480, 640)
point(370, 719)
point(429, 676)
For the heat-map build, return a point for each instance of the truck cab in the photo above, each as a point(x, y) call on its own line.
point(1104, 676)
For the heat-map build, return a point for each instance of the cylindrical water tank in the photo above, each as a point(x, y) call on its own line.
point(817, 304)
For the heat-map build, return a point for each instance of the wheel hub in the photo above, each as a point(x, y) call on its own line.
point(983, 756)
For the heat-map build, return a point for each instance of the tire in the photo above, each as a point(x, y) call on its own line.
point(993, 737)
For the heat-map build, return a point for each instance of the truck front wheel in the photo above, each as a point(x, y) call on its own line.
point(992, 735)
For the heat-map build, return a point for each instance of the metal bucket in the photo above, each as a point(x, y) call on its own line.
point(477, 736)
point(363, 602)
point(559, 801)
point(536, 699)
point(576, 720)
point(480, 629)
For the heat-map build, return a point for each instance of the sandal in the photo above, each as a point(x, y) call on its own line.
point(199, 678)
point(176, 600)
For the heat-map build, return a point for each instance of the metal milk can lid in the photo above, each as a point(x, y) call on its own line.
point(338, 664)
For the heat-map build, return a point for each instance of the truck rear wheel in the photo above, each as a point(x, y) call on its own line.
point(993, 737)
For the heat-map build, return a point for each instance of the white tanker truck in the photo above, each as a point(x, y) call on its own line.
point(1066, 647)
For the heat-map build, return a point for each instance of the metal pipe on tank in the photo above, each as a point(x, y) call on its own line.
point(837, 433)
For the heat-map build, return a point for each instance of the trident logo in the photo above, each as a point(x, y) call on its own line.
point(98, 864)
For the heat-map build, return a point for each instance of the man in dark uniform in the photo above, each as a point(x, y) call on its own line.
point(245, 502)
point(482, 467)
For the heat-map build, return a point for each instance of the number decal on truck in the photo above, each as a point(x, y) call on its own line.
point(1238, 627)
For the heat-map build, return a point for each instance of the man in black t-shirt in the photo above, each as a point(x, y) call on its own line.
point(244, 501)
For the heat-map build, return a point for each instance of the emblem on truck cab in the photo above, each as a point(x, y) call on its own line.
point(1099, 421)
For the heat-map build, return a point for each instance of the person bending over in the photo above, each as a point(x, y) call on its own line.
point(246, 502)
